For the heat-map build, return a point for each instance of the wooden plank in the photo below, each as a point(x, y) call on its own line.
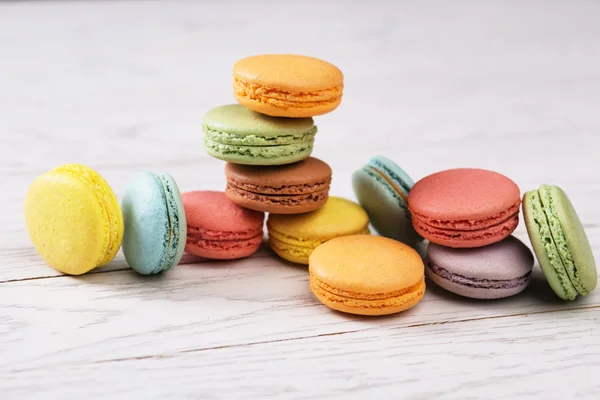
point(197, 306)
point(540, 356)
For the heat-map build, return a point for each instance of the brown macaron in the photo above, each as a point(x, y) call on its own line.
point(284, 189)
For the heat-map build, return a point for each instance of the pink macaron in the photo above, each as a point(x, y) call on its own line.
point(219, 229)
point(465, 207)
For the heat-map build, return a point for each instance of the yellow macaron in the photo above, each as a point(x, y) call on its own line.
point(287, 85)
point(367, 275)
point(294, 236)
point(73, 219)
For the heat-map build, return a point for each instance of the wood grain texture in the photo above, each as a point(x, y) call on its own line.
point(123, 86)
point(514, 357)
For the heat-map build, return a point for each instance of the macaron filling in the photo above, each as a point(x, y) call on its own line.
point(172, 251)
point(475, 282)
point(107, 202)
point(285, 99)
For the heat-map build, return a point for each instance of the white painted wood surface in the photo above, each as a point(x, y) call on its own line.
point(122, 86)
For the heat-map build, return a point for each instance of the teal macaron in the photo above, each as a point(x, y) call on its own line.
point(238, 135)
point(559, 242)
point(382, 188)
point(155, 223)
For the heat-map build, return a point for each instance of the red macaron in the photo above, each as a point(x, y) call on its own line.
point(465, 207)
point(219, 229)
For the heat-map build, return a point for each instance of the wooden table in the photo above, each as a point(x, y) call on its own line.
point(123, 86)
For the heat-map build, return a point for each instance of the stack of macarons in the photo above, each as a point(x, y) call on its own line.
point(267, 140)
point(465, 216)
point(468, 216)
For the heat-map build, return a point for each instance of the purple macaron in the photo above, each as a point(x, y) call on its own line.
point(499, 270)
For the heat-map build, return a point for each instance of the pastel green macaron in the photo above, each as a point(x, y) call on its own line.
point(559, 242)
point(238, 135)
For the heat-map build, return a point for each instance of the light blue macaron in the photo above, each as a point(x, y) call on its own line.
point(382, 188)
point(155, 223)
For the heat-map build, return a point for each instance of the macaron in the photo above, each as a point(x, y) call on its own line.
point(382, 188)
point(294, 237)
point(499, 270)
point(287, 85)
point(366, 275)
point(239, 135)
point(559, 242)
point(465, 207)
point(218, 228)
point(155, 223)
point(73, 219)
point(288, 189)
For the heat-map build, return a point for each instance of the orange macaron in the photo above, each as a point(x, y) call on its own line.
point(367, 275)
point(287, 85)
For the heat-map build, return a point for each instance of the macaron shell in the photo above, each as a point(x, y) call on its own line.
point(464, 198)
point(337, 217)
point(367, 264)
point(544, 247)
point(288, 72)
point(244, 124)
point(67, 223)
point(214, 211)
point(145, 212)
point(287, 179)
point(107, 199)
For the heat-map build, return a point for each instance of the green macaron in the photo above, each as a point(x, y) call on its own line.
point(238, 135)
point(559, 241)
